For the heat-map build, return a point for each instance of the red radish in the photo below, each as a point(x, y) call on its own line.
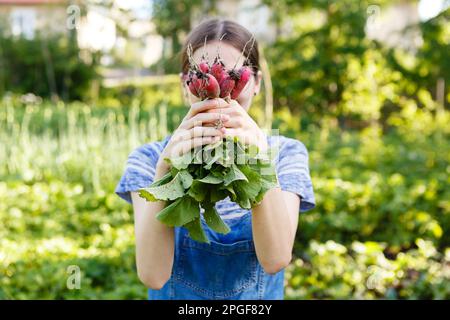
point(218, 69)
point(204, 67)
point(212, 88)
point(227, 84)
point(203, 85)
point(244, 76)
point(190, 79)
point(193, 87)
point(207, 81)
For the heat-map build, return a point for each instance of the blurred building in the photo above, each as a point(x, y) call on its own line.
point(26, 17)
point(96, 27)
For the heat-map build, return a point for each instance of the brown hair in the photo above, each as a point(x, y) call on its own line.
point(230, 32)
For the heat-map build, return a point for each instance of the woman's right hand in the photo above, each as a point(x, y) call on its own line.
point(195, 130)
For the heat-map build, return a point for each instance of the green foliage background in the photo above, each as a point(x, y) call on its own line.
point(379, 158)
point(47, 65)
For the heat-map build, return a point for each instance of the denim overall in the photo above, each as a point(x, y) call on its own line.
point(222, 270)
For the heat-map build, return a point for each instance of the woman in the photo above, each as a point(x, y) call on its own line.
point(249, 261)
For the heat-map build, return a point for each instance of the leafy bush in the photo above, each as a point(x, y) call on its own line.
point(379, 187)
point(46, 66)
point(363, 271)
point(326, 66)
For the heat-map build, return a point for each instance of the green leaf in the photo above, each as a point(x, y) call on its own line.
point(211, 179)
point(266, 185)
point(143, 193)
point(252, 150)
point(196, 231)
point(147, 195)
point(179, 212)
point(173, 171)
point(183, 161)
point(196, 170)
point(198, 155)
point(211, 160)
point(186, 178)
point(268, 179)
point(172, 190)
point(214, 220)
point(223, 154)
point(247, 191)
point(217, 194)
point(240, 154)
point(244, 202)
point(164, 179)
point(198, 190)
point(253, 184)
point(234, 174)
point(218, 171)
point(230, 190)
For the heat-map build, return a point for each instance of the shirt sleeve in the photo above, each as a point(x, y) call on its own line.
point(139, 171)
point(293, 172)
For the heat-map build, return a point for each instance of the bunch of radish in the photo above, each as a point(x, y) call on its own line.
point(207, 81)
point(228, 168)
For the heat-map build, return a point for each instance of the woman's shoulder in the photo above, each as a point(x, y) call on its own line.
point(140, 168)
point(286, 145)
point(150, 150)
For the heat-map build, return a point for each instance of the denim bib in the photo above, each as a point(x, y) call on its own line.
point(219, 270)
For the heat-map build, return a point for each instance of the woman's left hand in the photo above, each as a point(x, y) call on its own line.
point(241, 125)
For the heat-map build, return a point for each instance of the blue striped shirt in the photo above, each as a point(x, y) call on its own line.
point(291, 166)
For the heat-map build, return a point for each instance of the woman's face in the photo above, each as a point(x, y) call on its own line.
point(229, 55)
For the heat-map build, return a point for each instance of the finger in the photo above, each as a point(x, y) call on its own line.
point(204, 105)
point(205, 132)
point(202, 118)
point(199, 132)
point(188, 145)
point(228, 110)
point(234, 122)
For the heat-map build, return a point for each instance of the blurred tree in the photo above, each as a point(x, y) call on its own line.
point(172, 19)
point(48, 66)
point(325, 66)
point(431, 65)
point(434, 55)
point(311, 65)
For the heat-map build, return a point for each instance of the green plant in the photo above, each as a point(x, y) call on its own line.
point(210, 174)
point(46, 66)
